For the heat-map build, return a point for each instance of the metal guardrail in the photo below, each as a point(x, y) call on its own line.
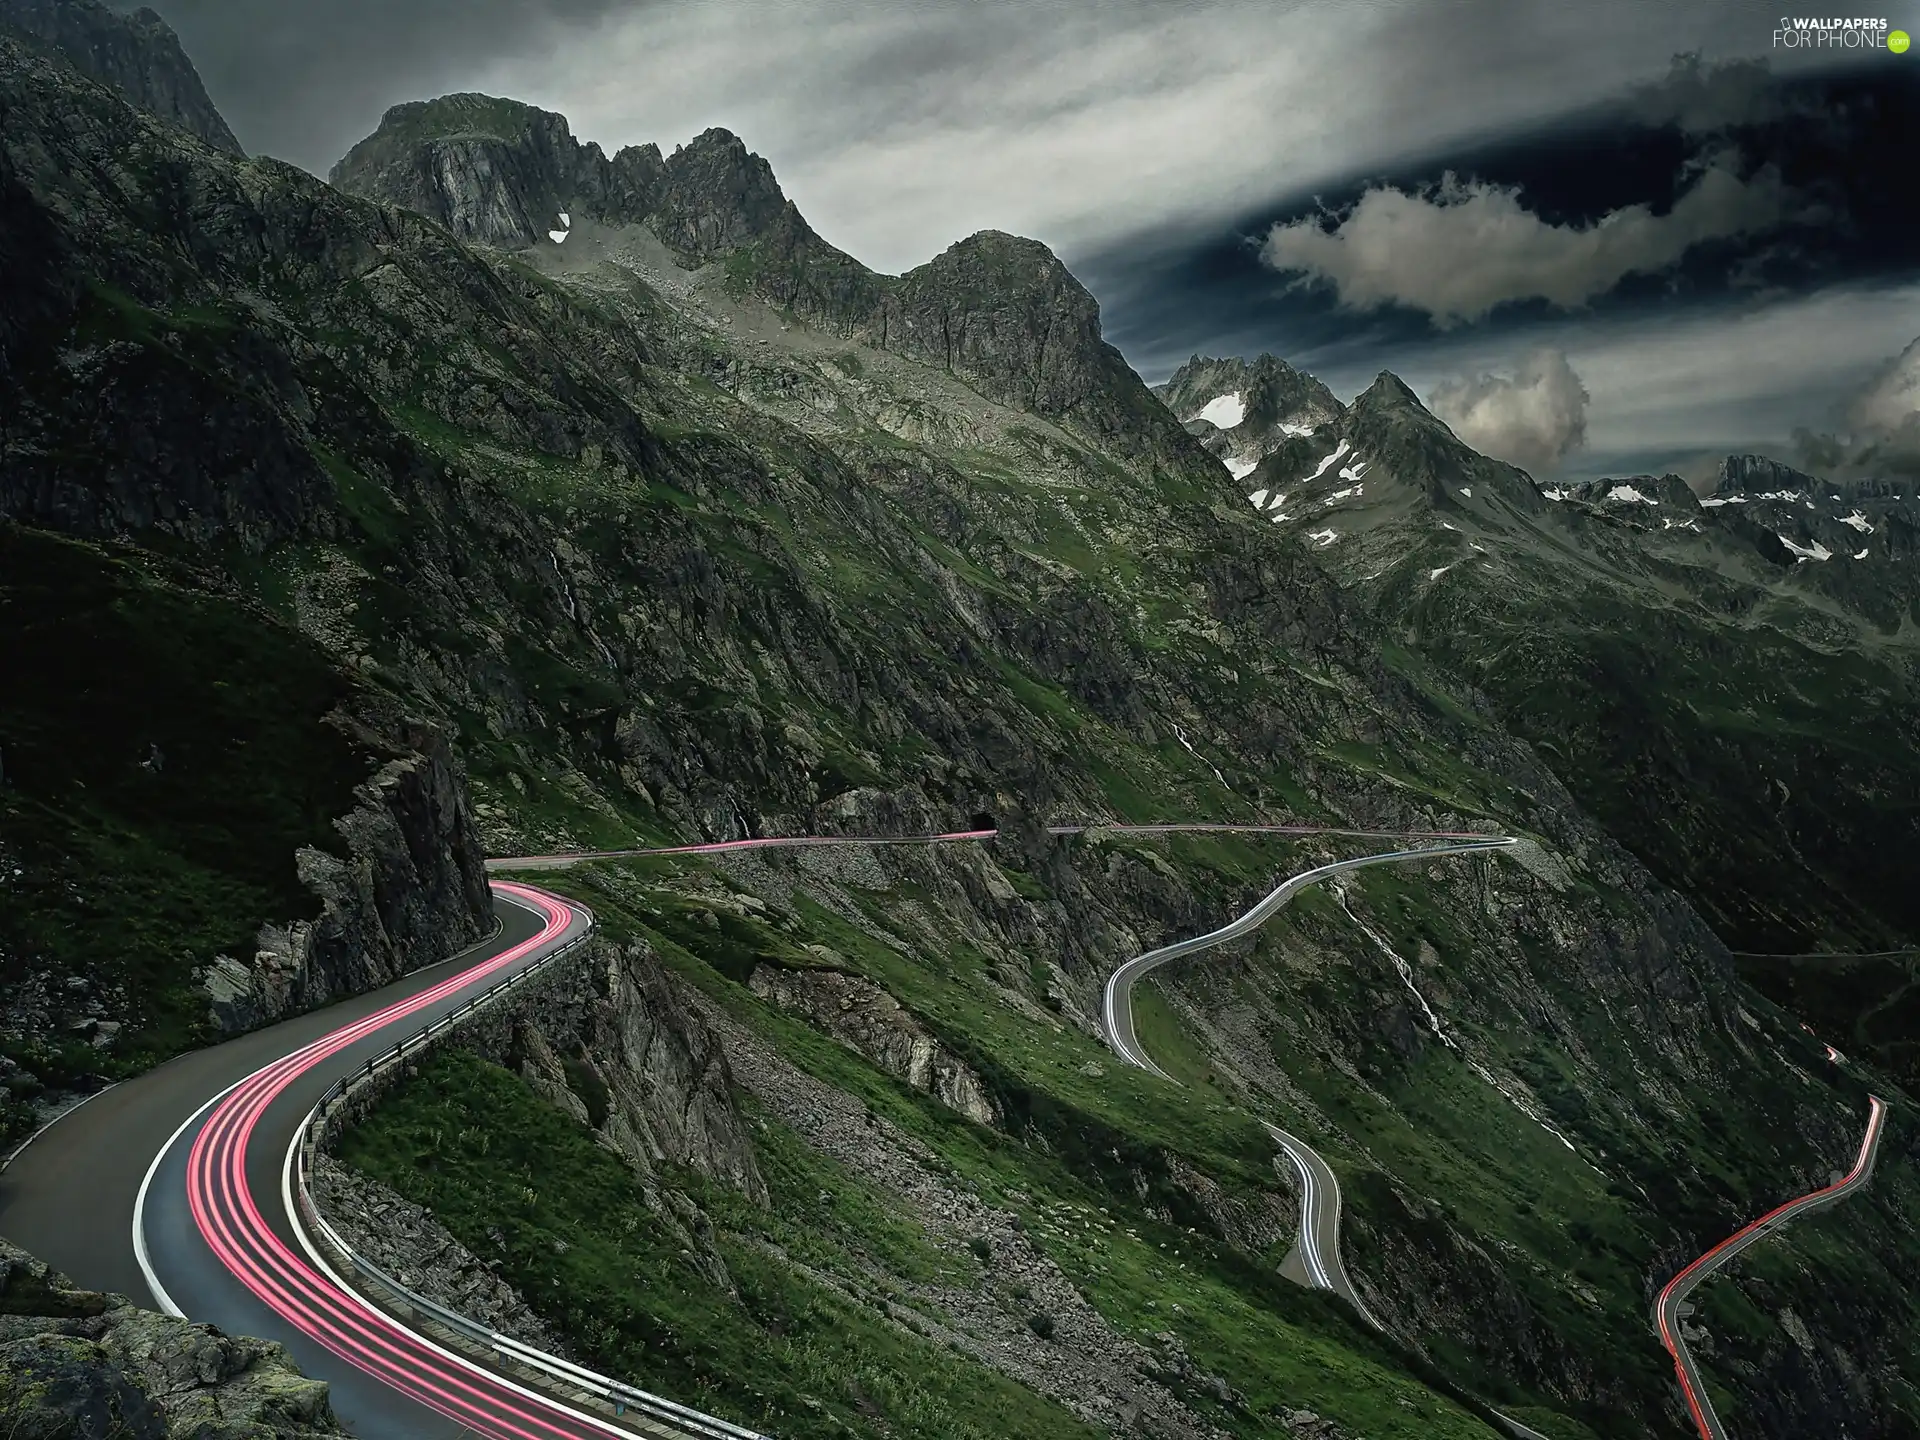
point(679, 1419)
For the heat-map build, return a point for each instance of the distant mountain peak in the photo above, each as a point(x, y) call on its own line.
point(1745, 474)
point(1246, 410)
point(1389, 391)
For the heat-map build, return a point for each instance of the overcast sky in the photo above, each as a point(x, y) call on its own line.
point(1133, 135)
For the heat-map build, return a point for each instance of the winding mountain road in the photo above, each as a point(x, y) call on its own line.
point(1671, 1308)
point(1318, 1245)
point(179, 1183)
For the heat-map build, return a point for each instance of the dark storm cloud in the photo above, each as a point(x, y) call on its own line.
point(1701, 96)
point(304, 79)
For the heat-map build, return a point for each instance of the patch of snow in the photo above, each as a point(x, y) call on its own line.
point(1627, 495)
point(558, 237)
point(1467, 490)
point(1323, 538)
point(1257, 499)
point(566, 221)
point(1353, 471)
point(1861, 556)
point(1556, 494)
point(1859, 522)
point(1437, 573)
point(1344, 494)
point(1476, 545)
point(1274, 504)
point(1239, 468)
point(1667, 522)
point(1226, 411)
point(1288, 428)
point(1802, 554)
point(1278, 516)
point(1344, 447)
point(1714, 502)
point(1778, 495)
point(1449, 525)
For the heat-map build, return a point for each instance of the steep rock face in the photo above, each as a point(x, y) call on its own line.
point(1743, 474)
point(717, 196)
point(864, 1017)
point(82, 1363)
point(1004, 313)
point(411, 889)
point(137, 54)
point(496, 171)
point(623, 1053)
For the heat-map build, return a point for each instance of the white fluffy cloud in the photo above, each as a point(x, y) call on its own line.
point(1892, 401)
point(1464, 247)
point(1531, 418)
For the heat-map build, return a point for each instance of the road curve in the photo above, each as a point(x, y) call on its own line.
point(177, 1184)
point(1319, 1242)
point(1671, 1307)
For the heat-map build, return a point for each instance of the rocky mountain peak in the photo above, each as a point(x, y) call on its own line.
point(1004, 312)
point(1243, 411)
point(137, 54)
point(1390, 394)
point(1669, 494)
point(1752, 474)
point(717, 196)
point(498, 171)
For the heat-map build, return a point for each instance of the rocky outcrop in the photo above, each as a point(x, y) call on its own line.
point(137, 54)
point(410, 889)
point(80, 1363)
point(1747, 474)
point(1002, 312)
point(621, 1051)
point(866, 1019)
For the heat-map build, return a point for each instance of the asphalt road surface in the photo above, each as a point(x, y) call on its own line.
point(1670, 1310)
point(1316, 1251)
point(175, 1185)
point(1318, 1245)
point(172, 1185)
